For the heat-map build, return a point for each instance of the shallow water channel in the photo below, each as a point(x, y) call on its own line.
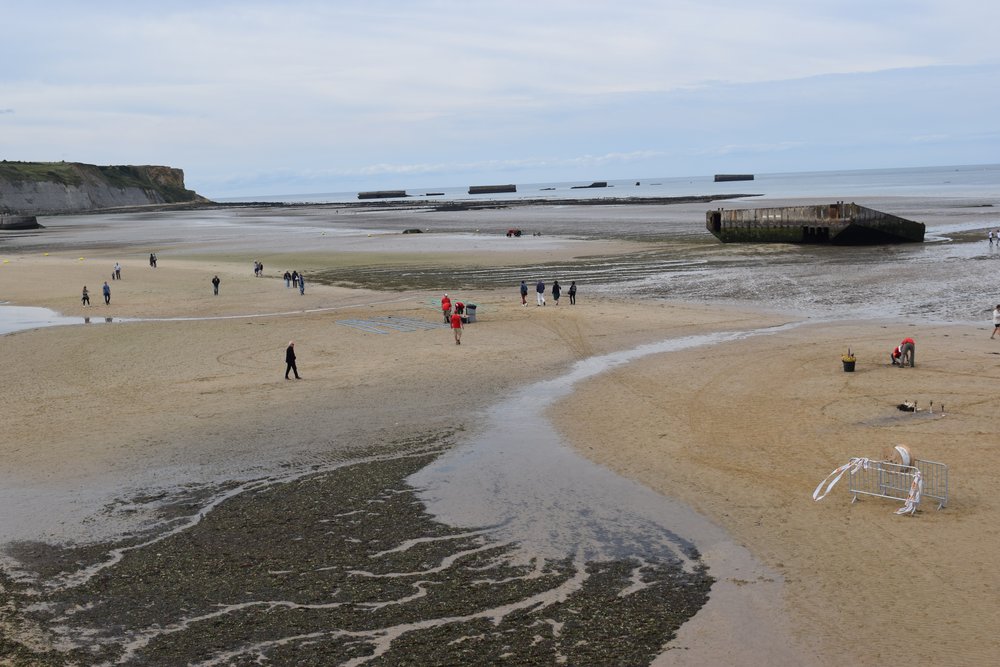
point(518, 475)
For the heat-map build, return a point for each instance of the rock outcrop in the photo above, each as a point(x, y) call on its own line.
point(37, 188)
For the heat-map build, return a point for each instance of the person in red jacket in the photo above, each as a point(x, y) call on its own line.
point(446, 308)
point(903, 353)
point(456, 326)
point(908, 350)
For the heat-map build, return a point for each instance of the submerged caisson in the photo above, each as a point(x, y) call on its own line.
point(835, 224)
point(17, 222)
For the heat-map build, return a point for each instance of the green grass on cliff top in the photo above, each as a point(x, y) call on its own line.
point(72, 173)
point(59, 172)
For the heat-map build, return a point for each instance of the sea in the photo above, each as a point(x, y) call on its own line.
point(938, 181)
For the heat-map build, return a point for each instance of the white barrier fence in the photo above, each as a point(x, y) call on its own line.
point(884, 479)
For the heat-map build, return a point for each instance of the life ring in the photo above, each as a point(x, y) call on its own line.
point(902, 452)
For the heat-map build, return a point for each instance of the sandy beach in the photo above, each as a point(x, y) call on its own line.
point(183, 387)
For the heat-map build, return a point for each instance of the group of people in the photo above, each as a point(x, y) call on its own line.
point(105, 290)
point(993, 236)
point(540, 293)
point(295, 279)
point(116, 274)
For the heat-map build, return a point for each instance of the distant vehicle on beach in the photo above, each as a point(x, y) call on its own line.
point(834, 224)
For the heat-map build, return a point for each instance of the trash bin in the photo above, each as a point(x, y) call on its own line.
point(470, 311)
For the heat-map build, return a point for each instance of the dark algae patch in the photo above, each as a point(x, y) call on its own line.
point(340, 566)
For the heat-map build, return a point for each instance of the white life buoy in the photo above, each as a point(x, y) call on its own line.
point(903, 452)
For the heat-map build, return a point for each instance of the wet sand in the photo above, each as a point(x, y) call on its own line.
point(741, 430)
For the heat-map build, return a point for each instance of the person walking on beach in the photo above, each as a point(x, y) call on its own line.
point(524, 294)
point(107, 293)
point(446, 308)
point(989, 235)
point(295, 278)
point(85, 297)
point(215, 285)
point(152, 260)
point(302, 284)
point(290, 360)
point(556, 291)
point(572, 293)
point(118, 271)
point(288, 279)
point(996, 317)
point(540, 293)
point(456, 326)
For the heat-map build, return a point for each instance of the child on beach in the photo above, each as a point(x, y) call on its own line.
point(996, 319)
point(85, 299)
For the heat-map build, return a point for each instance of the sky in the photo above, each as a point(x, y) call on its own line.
point(296, 97)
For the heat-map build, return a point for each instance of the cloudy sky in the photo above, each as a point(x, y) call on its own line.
point(287, 97)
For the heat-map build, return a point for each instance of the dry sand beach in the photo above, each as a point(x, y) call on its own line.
point(186, 388)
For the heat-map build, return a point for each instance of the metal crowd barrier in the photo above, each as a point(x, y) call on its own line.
point(893, 480)
point(935, 476)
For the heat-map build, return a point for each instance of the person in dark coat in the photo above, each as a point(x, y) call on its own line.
point(556, 291)
point(290, 360)
point(215, 284)
point(572, 293)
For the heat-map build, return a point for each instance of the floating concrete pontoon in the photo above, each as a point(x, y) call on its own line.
point(835, 224)
point(491, 189)
point(13, 222)
point(381, 194)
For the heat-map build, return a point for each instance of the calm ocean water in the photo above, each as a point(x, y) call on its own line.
point(947, 181)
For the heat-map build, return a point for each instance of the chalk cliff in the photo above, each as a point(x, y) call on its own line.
point(36, 188)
